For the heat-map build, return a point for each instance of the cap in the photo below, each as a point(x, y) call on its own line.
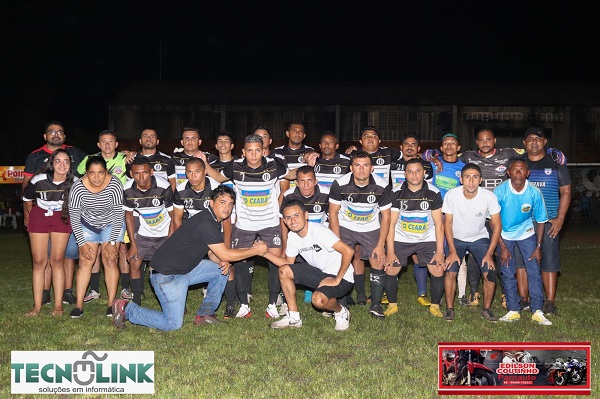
point(445, 136)
point(538, 131)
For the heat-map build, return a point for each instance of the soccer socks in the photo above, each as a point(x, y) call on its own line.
point(421, 278)
point(124, 281)
point(377, 281)
point(230, 293)
point(391, 288)
point(136, 290)
point(359, 284)
point(473, 274)
point(95, 282)
point(437, 289)
point(274, 283)
point(242, 278)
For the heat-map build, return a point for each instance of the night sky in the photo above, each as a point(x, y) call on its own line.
point(68, 62)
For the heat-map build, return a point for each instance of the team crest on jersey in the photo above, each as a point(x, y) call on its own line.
point(118, 170)
point(317, 208)
point(548, 171)
point(300, 159)
point(501, 169)
point(266, 176)
point(157, 166)
point(380, 161)
point(155, 201)
point(337, 170)
point(318, 168)
point(525, 208)
point(424, 205)
point(371, 199)
point(457, 174)
point(277, 240)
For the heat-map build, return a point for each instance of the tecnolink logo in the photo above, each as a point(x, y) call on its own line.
point(64, 372)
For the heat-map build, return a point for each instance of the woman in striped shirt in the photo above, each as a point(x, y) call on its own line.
point(97, 219)
point(48, 222)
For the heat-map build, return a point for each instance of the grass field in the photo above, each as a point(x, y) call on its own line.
point(244, 358)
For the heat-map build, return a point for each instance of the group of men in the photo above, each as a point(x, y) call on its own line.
point(317, 216)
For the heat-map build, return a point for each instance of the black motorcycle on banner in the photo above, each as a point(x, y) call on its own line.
point(465, 367)
point(563, 373)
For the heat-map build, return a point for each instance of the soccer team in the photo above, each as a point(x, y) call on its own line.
point(315, 216)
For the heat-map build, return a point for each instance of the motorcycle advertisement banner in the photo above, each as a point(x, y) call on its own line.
point(514, 368)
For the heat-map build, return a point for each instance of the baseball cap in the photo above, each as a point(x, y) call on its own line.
point(538, 131)
point(445, 136)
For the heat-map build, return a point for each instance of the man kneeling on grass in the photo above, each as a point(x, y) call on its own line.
point(327, 268)
point(179, 263)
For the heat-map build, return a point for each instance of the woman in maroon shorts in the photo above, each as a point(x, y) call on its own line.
point(47, 219)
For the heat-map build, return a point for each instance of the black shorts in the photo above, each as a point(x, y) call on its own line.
point(244, 238)
point(311, 277)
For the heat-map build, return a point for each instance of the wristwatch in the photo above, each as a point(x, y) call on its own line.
point(112, 242)
point(539, 245)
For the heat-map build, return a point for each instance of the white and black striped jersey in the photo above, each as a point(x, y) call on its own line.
point(360, 206)
point(292, 156)
point(97, 210)
point(327, 170)
point(493, 167)
point(161, 163)
point(382, 161)
point(151, 206)
point(257, 192)
point(47, 194)
point(398, 168)
point(192, 201)
point(317, 205)
point(219, 165)
point(415, 223)
point(179, 158)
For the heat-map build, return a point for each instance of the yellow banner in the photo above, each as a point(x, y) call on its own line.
point(11, 174)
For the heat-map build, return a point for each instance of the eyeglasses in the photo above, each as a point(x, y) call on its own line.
point(56, 132)
point(62, 161)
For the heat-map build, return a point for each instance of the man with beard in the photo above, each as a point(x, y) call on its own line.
point(293, 152)
point(161, 163)
point(191, 141)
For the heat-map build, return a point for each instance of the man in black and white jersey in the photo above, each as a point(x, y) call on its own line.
point(359, 213)
point(330, 164)
point(148, 206)
point(191, 141)
point(293, 152)
point(257, 184)
point(161, 163)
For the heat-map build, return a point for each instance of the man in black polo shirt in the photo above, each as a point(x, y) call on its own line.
point(179, 263)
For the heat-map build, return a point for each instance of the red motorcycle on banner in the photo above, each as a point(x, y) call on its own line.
point(465, 367)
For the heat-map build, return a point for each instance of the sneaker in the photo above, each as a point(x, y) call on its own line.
point(204, 290)
point(272, 312)
point(511, 316)
point(283, 309)
point(391, 309)
point(229, 312)
point(76, 313)
point(308, 296)
point(286, 322)
point(524, 304)
point(361, 299)
point(126, 294)
point(549, 308)
point(377, 312)
point(92, 295)
point(249, 296)
point(244, 312)
point(327, 314)
point(463, 301)
point(539, 318)
point(118, 313)
point(489, 315)
point(434, 309)
point(384, 299)
point(206, 320)
point(503, 301)
point(109, 311)
point(474, 299)
point(69, 298)
point(46, 298)
point(449, 315)
point(342, 320)
point(423, 300)
point(280, 299)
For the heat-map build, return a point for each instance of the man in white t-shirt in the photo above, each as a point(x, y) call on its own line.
point(327, 268)
point(466, 208)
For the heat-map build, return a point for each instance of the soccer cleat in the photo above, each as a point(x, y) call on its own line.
point(342, 319)
point(271, 311)
point(327, 314)
point(377, 312)
point(463, 301)
point(92, 295)
point(244, 311)
point(69, 298)
point(46, 298)
point(118, 313)
point(434, 309)
point(126, 294)
point(539, 318)
point(286, 322)
point(524, 304)
point(229, 312)
point(423, 300)
point(449, 315)
point(511, 316)
point(503, 301)
point(361, 299)
point(206, 320)
point(109, 311)
point(384, 299)
point(76, 313)
point(280, 299)
point(489, 315)
point(283, 309)
point(474, 299)
point(391, 309)
point(308, 296)
point(249, 297)
point(550, 308)
point(204, 290)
